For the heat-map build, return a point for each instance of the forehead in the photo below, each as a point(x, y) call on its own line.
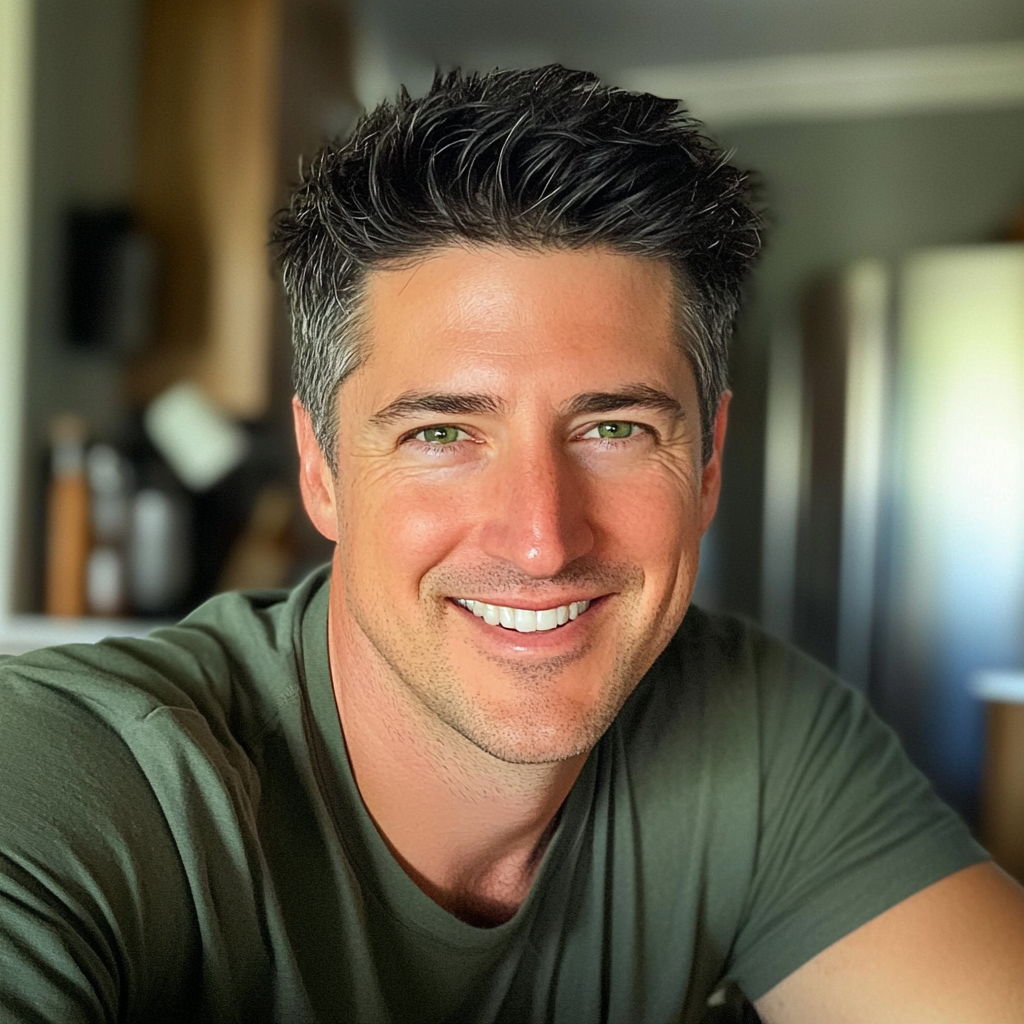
point(568, 309)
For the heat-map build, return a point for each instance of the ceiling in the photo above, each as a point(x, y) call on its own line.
point(412, 36)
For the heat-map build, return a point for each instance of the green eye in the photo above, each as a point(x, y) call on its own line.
point(441, 435)
point(612, 430)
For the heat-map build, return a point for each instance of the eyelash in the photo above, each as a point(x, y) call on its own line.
point(440, 426)
point(635, 428)
point(436, 447)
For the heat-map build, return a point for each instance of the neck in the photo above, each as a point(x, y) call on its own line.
point(469, 829)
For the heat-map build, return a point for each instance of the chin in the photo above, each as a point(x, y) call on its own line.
point(538, 729)
point(533, 746)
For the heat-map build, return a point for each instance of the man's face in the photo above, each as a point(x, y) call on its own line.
point(524, 435)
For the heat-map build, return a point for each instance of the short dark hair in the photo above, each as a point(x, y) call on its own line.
point(537, 158)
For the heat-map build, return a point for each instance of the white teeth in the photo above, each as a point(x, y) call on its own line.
point(524, 620)
point(547, 619)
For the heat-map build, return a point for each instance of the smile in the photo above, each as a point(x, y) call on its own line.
point(524, 620)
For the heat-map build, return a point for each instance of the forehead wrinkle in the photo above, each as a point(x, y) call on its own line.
point(413, 403)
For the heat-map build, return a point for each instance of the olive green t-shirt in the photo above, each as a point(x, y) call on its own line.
point(181, 838)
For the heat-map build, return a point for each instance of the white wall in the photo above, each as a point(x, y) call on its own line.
point(16, 25)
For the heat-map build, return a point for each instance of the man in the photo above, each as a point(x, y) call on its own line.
point(484, 769)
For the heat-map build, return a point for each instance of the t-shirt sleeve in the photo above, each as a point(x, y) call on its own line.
point(848, 826)
point(93, 923)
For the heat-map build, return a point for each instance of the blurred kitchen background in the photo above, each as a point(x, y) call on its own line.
point(874, 501)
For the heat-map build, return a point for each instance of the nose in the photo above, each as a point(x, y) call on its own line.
point(535, 510)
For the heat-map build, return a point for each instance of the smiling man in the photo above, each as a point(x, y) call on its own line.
point(460, 542)
point(504, 577)
point(490, 765)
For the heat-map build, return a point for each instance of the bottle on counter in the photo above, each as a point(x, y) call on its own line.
point(109, 477)
point(68, 532)
point(159, 550)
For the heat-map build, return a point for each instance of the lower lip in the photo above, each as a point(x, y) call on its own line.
point(547, 639)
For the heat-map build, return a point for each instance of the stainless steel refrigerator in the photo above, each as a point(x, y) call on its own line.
point(894, 503)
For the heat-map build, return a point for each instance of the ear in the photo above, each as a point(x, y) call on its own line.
point(316, 481)
point(711, 479)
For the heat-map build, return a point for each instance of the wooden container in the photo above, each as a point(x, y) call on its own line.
point(67, 540)
point(1002, 792)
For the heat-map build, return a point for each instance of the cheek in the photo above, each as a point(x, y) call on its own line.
point(651, 519)
point(398, 530)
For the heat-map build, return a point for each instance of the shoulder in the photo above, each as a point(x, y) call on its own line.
point(89, 867)
point(147, 720)
point(804, 815)
point(120, 764)
point(726, 722)
point(97, 739)
point(722, 674)
point(743, 712)
point(120, 712)
point(814, 804)
point(729, 649)
point(232, 661)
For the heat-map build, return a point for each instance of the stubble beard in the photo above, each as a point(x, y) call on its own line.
point(536, 725)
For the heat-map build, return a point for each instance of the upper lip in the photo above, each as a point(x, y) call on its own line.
point(531, 604)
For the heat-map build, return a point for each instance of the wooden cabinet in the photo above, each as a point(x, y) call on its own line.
point(231, 93)
point(195, 114)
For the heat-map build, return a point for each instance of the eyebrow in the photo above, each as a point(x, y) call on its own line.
point(632, 396)
point(446, 403)
point(414, 403)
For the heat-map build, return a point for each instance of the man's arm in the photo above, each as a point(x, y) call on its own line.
point(953, 952)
